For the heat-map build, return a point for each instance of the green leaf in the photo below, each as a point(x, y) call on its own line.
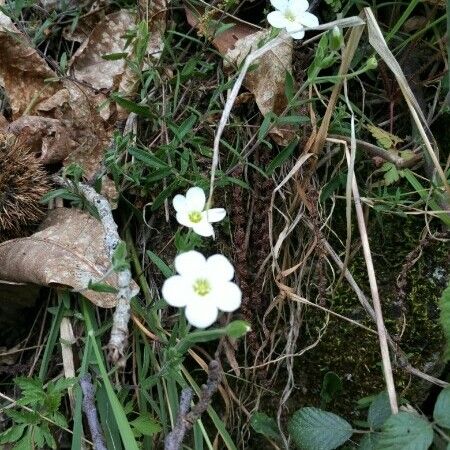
point(405, 431)
point(441, 413)
point(391, 174)
point(331, 387)
point(379, 411)
point(101, 287)
point(12, 434)
point(265, 425)
point(146, 425)
point(115, 56)
point(119, 257)
point(281, 157)
point(160, 264)
point(38, 437)
point(140, 110)
point(147, 158)
point(315, 429)
point(26, 443)
point(444, 304)
point(369, 442)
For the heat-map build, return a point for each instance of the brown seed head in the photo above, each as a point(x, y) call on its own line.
point(23, 182)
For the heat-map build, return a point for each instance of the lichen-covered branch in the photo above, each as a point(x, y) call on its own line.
point(91, 412)
point(119, 332)
point(186, 419)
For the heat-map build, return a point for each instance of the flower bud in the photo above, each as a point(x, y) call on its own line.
point(336, 39)
point(371, 63)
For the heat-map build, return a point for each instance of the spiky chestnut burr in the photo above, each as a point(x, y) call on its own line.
point(23, 182)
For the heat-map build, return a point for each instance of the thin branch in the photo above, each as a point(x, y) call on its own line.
point(374, 150)
point(119, 332)
point(91, 412)
point(186, 419)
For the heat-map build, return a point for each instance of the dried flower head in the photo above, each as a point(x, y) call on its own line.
point(23, 182)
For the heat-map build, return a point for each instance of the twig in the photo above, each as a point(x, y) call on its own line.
point(91, 412)
point(119, 332)
point(373, 150)
point(186, 419)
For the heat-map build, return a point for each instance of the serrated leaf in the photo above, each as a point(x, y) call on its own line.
point(12, 434)
point(405, 431)
point(314, 429)
point(444, 304)
point(265, 425)
point(146, 425)
point(385, 139)
point(441, 413)
point(379, 411)
point(391, 173)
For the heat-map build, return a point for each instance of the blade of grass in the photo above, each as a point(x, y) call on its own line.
point(125, 431)
point(53, 333)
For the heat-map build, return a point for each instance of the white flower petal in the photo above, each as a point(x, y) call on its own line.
point(203, 228)
point(219, 268)
point(308, 20)
point(174, 291)
point(179, 203)
point(298, 6)
point(294, 27)
point(281, 5)
point(298, 34)
point(201, 313)
point(183, 219)
point(227, 296)
point(215, 214)
point(195, 199)
point(277, 19)
point(190, 264)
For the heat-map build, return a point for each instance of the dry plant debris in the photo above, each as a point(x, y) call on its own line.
point(69, 251)
point(23, 182)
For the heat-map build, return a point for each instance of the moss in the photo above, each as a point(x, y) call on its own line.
point(352, 352)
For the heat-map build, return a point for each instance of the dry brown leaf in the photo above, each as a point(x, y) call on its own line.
point(51, 138)
point(68, 251)
point(267, 81)
point(23, 73)
point(107, 37)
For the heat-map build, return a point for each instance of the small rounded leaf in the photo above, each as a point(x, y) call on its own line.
point(315, 429)
point(441, 413)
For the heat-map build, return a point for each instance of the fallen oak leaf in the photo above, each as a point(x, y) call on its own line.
point(267, 81)
point(69, 251)
point(23, 73)
point(90, 64)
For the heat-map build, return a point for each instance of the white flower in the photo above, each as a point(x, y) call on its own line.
point(190, 212)
point(293, 16)
point(203, 286)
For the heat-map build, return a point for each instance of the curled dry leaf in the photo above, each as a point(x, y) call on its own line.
point(51, 138)
point(68, 251)
point(88, 64)
point(267, 81)
point(23, 73)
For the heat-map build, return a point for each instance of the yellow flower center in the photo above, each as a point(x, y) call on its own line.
point(202, 287)
point(289, 15)
point(195, 216)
